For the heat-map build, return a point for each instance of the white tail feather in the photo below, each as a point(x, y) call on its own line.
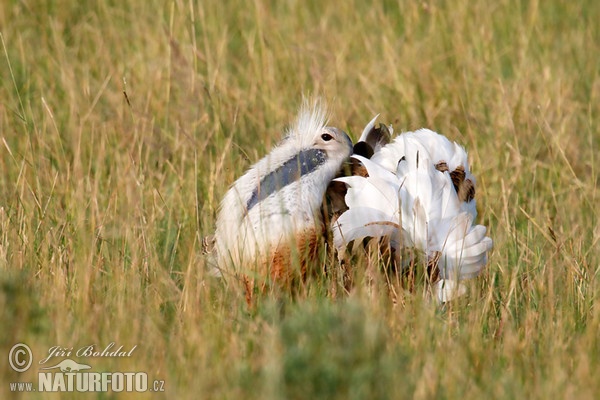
point(409, 190)
point(368, 127)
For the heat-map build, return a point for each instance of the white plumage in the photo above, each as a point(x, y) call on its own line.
point(443, 155)
point(274, 208)
point(419, 193)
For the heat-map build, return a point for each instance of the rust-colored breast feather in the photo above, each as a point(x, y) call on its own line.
point(289, 264)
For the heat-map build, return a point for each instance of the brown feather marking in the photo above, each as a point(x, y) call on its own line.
point(433, 270)
point(466, 191)
point(280, 270)
point(248, 289)
point(284, 258)
point(386, 223)
point(358, 168)
point(442, 166)
point(363, 149)
point(334, 203)
point(458, 177)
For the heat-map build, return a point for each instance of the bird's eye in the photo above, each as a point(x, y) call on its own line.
point(326, 137)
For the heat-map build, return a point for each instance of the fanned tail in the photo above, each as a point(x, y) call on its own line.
point(418, 186)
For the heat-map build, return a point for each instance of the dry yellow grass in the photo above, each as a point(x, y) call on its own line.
point(104, 198)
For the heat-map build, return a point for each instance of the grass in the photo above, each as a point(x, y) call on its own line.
point(105, 197)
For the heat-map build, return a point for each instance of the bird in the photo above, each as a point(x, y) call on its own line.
point(372, 138)
point(418, 193)
point(270, 218)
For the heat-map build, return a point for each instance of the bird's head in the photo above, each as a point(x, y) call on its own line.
point(311, 151)
point(334, 142)
point(324, 147)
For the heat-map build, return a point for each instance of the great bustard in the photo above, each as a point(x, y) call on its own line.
point(270, 219)
point(417, 192)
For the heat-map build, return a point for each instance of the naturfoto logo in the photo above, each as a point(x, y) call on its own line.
point(58, 372)
point(69, 366)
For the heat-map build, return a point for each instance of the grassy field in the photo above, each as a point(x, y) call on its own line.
point(123, 123)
